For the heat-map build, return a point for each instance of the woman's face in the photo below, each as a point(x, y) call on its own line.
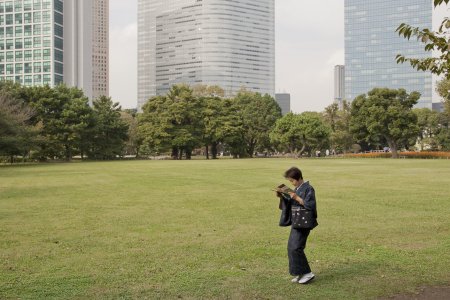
point(293, 181)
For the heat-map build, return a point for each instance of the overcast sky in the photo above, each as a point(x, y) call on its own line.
point(309, 43)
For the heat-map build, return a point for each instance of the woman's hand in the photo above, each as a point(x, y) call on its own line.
point(297, 198)
point(293, 196)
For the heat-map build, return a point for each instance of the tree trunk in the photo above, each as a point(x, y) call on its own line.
point(394, 150)
point(299, 153)
point(214, 150)
point(251, 149)
point(188, 154)
point(174, 153)
point(180, 155)
point(207, 151)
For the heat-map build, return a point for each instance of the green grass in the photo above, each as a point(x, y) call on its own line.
point(209, 229)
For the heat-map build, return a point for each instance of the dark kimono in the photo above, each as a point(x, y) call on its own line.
point(298, 263)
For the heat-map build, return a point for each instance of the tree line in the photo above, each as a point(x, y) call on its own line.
point(43, 123)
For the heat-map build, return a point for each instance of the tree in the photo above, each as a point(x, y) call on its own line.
point(338, 120)
point(201, 90)
point(172, 122)
point(435, 41)
point(297, 133)
point(17, 136)
point(212, 118)
point(133, 143)
point(258, 115)
point(429, 127)
point(64, 114)
point(110, 132)
point(385, 113)
point(443, 89)
point(185, 116)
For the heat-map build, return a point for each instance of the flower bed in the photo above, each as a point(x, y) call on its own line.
point(409, 154)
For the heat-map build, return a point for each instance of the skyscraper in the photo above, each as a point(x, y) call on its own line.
point(51, 41)
point(371, 45)
point(284, 101)
point(339, 84)
point(213, 42)
point(100, 48)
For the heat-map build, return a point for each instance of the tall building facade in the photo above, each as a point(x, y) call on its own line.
point(48, 42)
point(339, 84)
point(212, 42)
point(284, 101)
point(100, 48)
point(32, 42)
point(371, 45)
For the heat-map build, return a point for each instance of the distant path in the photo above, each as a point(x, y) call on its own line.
point(428, 293)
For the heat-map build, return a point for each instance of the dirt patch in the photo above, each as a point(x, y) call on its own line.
point(428, 293)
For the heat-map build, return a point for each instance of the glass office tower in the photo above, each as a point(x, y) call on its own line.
point(371, 45)
point(54, 41)
point(212, 42)
point(31, 41)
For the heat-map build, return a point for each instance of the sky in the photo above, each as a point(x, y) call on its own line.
point(309, 38)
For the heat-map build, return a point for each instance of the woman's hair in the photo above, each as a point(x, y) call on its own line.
point(293, 173)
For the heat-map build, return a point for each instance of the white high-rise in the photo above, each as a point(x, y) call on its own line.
point(54, 41)
point(339, 84)
point(212, 42)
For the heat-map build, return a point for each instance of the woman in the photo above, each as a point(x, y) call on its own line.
point(304, 196)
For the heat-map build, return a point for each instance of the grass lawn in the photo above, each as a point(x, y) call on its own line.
point(209, 229)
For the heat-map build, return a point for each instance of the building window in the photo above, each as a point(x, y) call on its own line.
point(28, 80)
point(28, 43)
point(19, 44)
point(37, 42)
point(59, 6)
point(38, 79)
point(18, 18)
point(9, 19)
point(28, 30)
point(46, 42)
point(58, 79)
point(37, 17)
point(59, 55)
point(37, 4)
point(47, 79)
point(28, 55)
point(8, 6)
point(59, 68)
point(37, 29)
point(27, 5)
point(46, 4)
point(10, 31)
point(46, 54)
point(46, 16)
point(10, 56)
point(46, 67)
point(37, 67)
point(37, 54)
point(19, 56)
point(58, 18)
point(18, 6)
point(28, 68)
point(59, 30)
point(59, 43)
point(19, 31)
point(19, 68)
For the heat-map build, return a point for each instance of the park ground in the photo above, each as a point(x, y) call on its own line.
point(209, 229)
